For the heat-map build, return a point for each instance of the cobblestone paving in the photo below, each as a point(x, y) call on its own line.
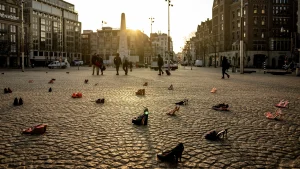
point(83, 134)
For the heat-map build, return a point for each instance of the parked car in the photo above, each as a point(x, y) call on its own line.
point(139, 65)
point(198, 63)
point(58, 64)
point(77, 62)
point(184, 63)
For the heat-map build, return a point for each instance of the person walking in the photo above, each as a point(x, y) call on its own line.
point(224, 67)
point(125, 64)
point(94, 62)
point(101, 64)
point(117, 62)
point(160, 63)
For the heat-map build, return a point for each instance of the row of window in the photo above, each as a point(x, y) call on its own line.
point(46, 15)
point(13, 28)
point(281, 10)
point(2, 7)
point(51, 54)
point(280, 21)
point(280, 1)
point(11, 9)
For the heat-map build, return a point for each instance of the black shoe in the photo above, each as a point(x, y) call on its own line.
point(20, 101)
point(171, 155)
point(16, 103)
point(50, 89)
point(117, 74)
point(212, 135)
point(5, 90)
point(9, 90)
point(100, 101)
point(159, 74)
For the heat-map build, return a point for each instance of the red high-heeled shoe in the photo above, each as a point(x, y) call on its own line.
point(282, 104)
point(278, 114)
point(213, 90)
point(172, 112)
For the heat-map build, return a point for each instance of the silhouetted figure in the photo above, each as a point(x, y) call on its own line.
point(224, 67)
point(160, 63)
point(94, 59)
point(125, 64)
point(117, 62)
point(101, 64)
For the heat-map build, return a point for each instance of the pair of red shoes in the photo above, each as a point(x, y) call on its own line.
point(278, 113)
point(77, 95)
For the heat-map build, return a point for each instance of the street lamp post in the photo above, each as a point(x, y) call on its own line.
point(151, 21)
point(242, 40)
point(169, 4)
point(22, 34)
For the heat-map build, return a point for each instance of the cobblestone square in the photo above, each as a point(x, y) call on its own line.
point(83, 134)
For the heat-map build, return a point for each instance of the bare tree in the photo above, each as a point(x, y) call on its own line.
point(214, 44)
point(203, 48)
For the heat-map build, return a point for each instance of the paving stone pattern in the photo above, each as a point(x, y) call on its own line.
point(83, 134)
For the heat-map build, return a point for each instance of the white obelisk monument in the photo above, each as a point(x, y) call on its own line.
point(123, 48)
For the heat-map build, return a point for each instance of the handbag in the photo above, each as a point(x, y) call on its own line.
point(103, 68)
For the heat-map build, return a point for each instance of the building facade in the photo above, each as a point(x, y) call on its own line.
point(204, 44)
point(267, 28)
point(54, 31)
point(160, 46)
point(10, 33)
point(105, 42)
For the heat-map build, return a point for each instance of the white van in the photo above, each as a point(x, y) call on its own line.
point(198, 63)
point(173, 66)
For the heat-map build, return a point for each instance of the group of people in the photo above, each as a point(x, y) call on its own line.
point(97, 62)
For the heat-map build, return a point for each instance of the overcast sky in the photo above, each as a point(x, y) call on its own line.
point(185, 15)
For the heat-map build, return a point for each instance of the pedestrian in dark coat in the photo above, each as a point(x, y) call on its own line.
point(160, 63)
point(94, 62)
point(117, 62)
point(125, 64)
point(225, 66)
point(101, 64)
